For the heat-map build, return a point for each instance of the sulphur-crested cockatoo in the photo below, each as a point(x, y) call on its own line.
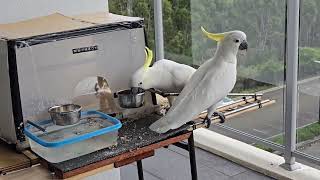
point(209, 84)
point(164, 75)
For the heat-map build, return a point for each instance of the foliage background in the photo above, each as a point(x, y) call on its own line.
point(262, 20)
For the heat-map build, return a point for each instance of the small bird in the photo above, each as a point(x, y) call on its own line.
point(164, 75)
point(209, 84)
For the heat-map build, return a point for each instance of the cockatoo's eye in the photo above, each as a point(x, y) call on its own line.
point(236, 40)
point(140, 83)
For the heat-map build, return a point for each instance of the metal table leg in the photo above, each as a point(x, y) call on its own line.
point(140, 169)
point(192, 157)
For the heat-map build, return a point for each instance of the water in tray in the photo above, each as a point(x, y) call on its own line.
point(86, 125)
point(57, 134)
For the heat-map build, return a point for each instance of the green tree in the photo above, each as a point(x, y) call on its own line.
point(262, 20)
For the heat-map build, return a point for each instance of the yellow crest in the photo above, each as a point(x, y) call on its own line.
point(217, 37)
point(149, 56)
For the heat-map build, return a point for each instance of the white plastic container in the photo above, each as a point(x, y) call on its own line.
point(95, 131)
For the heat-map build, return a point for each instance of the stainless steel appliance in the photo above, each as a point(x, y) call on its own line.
point(55, 60)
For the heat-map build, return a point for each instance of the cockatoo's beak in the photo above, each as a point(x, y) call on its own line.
point(243, 45)
point(216, 37)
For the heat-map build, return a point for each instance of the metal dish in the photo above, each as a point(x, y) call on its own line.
point(66, 114)
point(127, 99)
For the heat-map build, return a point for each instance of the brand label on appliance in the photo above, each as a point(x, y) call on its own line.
point(84, 49)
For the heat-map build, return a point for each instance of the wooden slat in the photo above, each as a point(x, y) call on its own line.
point(263, 104)
point(233, 105)
point(34, 173)
point(239, 102)
point(133, 159)
point(230, 114)
point(11, 160)
point(64, 175)
point(32, 157)
point(91, 173)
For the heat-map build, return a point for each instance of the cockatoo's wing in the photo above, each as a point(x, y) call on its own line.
point(170, 76)
point(181, 75)
point(205, 88)
point(192, 83)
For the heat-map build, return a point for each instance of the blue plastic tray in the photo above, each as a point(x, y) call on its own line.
point(116, 125)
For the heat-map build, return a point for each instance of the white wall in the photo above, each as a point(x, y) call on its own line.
point(17, 10)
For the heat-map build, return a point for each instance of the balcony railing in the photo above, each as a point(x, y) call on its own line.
point(290, 66)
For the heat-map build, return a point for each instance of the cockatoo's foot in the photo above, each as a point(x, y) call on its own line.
point(221, 116)
point(207, 121)
point(162, 112)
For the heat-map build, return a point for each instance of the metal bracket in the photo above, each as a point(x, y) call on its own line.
point(182, 145)
point(291, 167)
point(245, 99)
point(259, 104)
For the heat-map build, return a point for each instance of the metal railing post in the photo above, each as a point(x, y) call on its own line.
point(158, 26)
point(292, 44)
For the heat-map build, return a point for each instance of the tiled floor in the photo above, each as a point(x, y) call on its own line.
point(173, 164)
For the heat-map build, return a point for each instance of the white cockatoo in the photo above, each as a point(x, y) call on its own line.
point(164, 75)
point(209, 84)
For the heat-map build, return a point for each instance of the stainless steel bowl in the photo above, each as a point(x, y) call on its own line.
point(66, 114)
point(127, 99)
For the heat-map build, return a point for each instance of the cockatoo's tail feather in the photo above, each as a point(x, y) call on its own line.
point(160, 126)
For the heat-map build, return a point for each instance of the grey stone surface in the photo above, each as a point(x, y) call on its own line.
point(214, 162)
point(173, 164)
point(130, 172)
point(168, 165)
point(311, 149)
point(228, 168)
point(250, 175)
